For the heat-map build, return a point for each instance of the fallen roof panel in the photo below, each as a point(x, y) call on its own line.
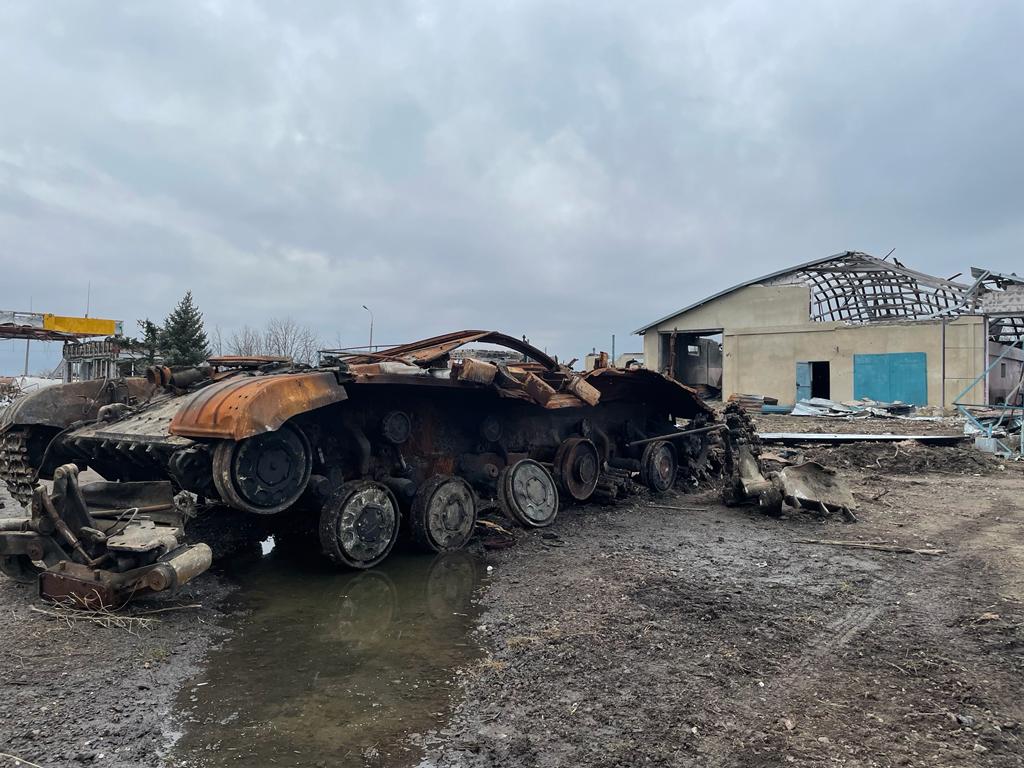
point(798, 438)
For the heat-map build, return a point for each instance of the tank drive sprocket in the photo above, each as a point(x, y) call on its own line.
point(264, 474)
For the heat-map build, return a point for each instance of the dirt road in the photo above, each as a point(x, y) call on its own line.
point(712, 637)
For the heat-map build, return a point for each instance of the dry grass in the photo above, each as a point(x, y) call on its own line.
point(71, 612)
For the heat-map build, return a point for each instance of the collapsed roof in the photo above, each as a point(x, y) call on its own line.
point(859, 288)
point(856, 287)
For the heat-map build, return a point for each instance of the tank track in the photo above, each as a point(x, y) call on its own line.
point(15, 471)
point(613, 484)
point(740, 431)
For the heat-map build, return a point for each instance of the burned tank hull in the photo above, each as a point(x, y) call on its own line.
point(372, 446)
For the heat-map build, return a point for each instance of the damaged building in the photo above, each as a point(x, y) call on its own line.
point(850, 326)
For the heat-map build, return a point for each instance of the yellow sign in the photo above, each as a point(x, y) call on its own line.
point(82, 326)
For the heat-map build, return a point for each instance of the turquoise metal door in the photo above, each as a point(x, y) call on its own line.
point(899, 376)
point(803, 381)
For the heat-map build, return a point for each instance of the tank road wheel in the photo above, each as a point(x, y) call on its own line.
point(658, 466)
point(443, 514)
point(577, 467)
point(20, 568)
point(527, 494)
point(359, 524)
point(264, 474)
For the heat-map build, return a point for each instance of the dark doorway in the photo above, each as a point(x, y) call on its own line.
point(820, 382)
point(813, 380)
point(695, 359)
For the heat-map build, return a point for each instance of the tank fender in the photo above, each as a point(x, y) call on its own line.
point(63, 404)
point(242, 407)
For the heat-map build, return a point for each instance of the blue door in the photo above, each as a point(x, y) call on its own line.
point(803, 381)
point(899, 376)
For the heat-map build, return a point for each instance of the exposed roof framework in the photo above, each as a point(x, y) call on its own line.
point(859, 288)
point(856, 287)
point(1000, 297)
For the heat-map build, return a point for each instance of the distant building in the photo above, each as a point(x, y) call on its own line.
point(845, 327)
point(108, 358)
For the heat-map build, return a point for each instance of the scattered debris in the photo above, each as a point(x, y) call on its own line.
point(803, 438)
point(869, 545)
point(865, 407)
point(809, 485)
point(752, 403)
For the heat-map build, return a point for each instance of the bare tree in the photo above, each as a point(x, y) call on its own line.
point(285, 337)
point(216, 342)
point(247, 342)
point(281, 337)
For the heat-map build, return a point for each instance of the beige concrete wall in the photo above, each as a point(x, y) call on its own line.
point(763, 361)
point(965, 358)
point(756, 305)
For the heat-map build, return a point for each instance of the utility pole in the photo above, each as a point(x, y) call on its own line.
point(613, 349)
point(371, 325)
point(27, 341)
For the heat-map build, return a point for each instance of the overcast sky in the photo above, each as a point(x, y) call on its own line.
point(567, 170)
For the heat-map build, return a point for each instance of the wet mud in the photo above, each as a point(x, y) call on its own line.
point(331, 668)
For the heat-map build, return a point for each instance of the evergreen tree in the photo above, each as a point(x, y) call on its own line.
point(150, 341)
point(183, 339)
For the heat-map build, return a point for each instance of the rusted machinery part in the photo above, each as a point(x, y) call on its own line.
point(246, 406)
point(527, 494)
point(741, 449)
point(182, 567)
point(20, 568)
point(264, 474)
point(90, 587)
point(15, 469)
point(577, 467)
point(63, 405)
point(425, 351)
point(359, 524)
point(443, 514)
point(679, 433)
point(658, 466)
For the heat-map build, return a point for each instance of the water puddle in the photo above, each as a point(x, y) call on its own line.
point(332, 669)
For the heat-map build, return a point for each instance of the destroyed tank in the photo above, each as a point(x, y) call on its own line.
point(367, 445)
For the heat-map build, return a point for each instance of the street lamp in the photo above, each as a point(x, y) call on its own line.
point(371, 325)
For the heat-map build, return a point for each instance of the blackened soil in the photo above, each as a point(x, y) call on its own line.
point(75, 692)
point(651, 636)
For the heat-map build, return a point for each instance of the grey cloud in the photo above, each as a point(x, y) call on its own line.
point(565, 170)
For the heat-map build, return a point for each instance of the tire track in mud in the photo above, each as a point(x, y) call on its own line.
point(894, 652)
point(765, 703)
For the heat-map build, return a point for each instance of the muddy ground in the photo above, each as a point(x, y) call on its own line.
point(77, 692)
point(643, 635)
point(713, 636)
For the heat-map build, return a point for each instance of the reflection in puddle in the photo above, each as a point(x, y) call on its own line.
point(330, 668)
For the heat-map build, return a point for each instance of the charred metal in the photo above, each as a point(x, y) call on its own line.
point(358, 450)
